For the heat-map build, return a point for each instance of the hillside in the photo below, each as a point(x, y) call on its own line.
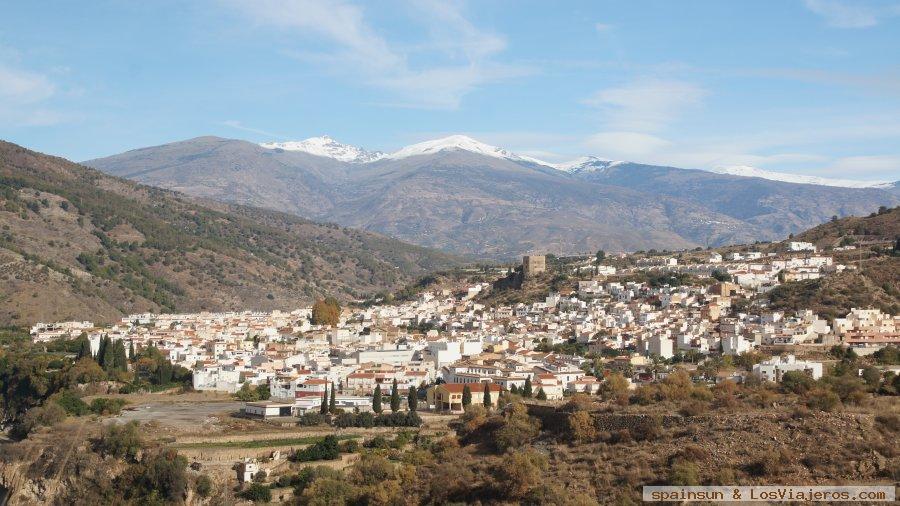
point(79, 244)
point(463, 196)
point(880, 226)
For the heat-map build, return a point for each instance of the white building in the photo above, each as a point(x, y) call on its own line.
point(774, 369)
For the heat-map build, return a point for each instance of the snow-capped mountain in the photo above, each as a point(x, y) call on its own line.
point(587, 164)
point(328, 147)
point(458, 142)
point(745, 171)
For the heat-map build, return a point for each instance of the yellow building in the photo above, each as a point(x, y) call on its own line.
point(449, 396)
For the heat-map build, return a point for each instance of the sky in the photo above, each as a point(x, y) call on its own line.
point(802, 86)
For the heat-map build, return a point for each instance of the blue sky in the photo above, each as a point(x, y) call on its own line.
point(802, 86)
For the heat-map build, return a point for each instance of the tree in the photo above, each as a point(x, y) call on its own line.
point(323, 409)
point(247, 393)
point(395, 398)
point(376, 399)
point(106, 354)
point(526, 390)
point(600, 256)
point(84, 347)
point(120, 360)
point(467, 396)
point(541, 396)
point(326, 312)
point(133, 357)
point(257, 492)
point(332, 402)
point(513, 389)
point(412, 400)
point(486, 397)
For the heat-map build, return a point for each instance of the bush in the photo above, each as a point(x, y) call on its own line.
point(518, 429)
point(822, 399)
point(161, 476)
point(104, 406)
point(693, 408)
point(684, 473)
point(797, 382)
point(257, 492)
point(42, 416)
point(326, 449)
point(120, 440)
point(311, 418)
point(648, 430)
point(581, 427)
point(72, 403)
point(203, 486)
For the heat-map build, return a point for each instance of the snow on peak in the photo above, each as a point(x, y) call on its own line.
point(587, 164)
point(329, 148)
point(745, 171)
point(456, 142)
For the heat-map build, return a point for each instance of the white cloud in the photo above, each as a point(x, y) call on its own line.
point(645, 105)
point(19, 87)
point(870, 165)
point(458, 55)
point(23, 98)
point(602, 27)
point(851, 14)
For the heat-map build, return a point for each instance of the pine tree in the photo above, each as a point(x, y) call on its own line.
point(526, 390)
point(467, 396)
point(376, 399)
point(541, 396)
point(395, 398)
point(486, 397)
point(323, 409)
point(332, 402)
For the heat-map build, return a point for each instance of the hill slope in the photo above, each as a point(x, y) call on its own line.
point(490, 202)
point(79, 244)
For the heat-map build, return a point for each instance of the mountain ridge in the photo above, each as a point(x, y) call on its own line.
point(497, 205)
point(79, 244)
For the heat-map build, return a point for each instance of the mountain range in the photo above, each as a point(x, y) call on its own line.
point(467, 197)
point(79, 244)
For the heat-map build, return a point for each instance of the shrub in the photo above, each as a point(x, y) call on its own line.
point(120, 440)
point(797, 382)
point(581, 427)
point(649, 429)
point(104, 406)
point(822, 399)
point(161, 476)
point(518, 428)
point(693, 408)
point(326, 449)
point(257, 492)
point(72, 403)
point(203, 486)
point(41, 416)
point(684, 473)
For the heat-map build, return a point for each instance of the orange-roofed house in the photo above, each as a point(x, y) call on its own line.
point(448, 396)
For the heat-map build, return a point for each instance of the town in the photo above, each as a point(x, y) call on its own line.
point(444, 340)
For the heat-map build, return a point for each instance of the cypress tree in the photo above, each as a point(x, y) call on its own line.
point(376, 399)
point(513, 389)
point(332, 402)
point(120, 361)
point(107, 357)
point(412, 400)
point(467, 396)
point(541, 396)
point(486, 397)
point(526, 390)
point(395, 398)
point(131, 355)
point(84, 351)
point(324, 408)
